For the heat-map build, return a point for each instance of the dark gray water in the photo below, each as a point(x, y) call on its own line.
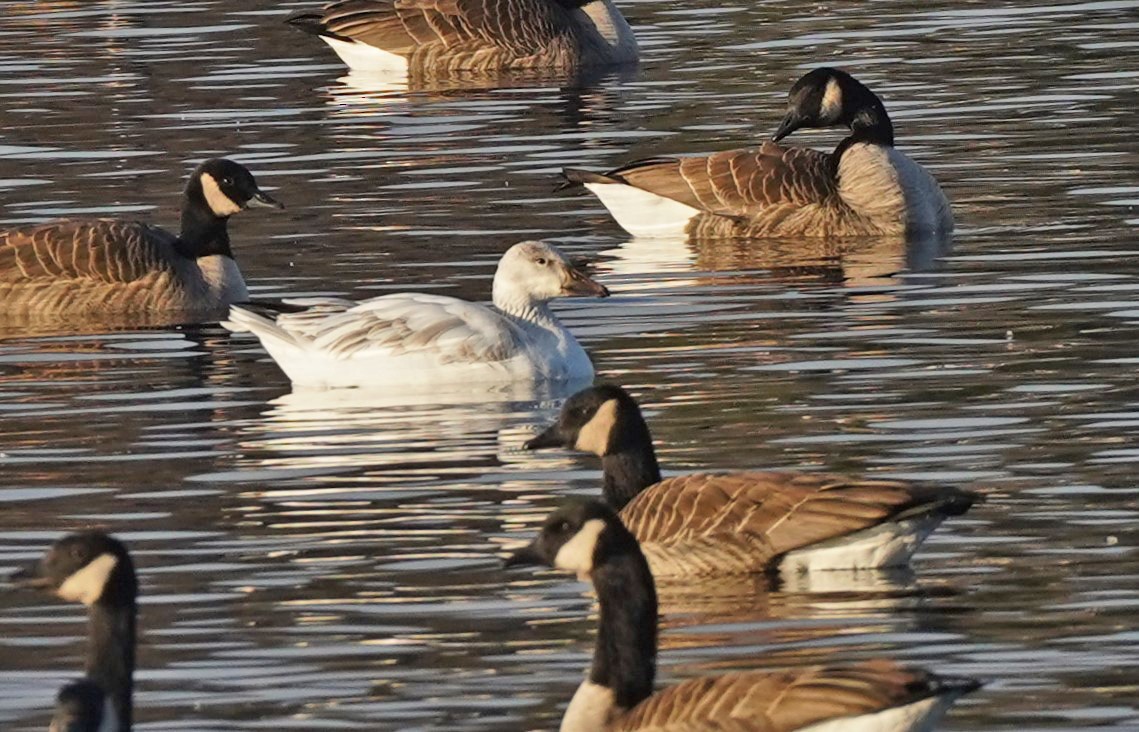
point(320, 563)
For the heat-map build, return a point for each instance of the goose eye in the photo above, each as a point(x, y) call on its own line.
point(541, 261)
point(563, 527)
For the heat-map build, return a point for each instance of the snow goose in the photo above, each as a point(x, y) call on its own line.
point(109, 266)
point(416, 339)
point(733, 523)
point(866, 187)
point(441, 36)
point(587, 538)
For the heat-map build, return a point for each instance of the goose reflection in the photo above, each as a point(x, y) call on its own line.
point(584, 98)
point(849, 595)
point(846, 262)
point(423, 432)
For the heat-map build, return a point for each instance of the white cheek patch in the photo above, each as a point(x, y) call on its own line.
point(86, 585)
point(218, 202)
point(594, 435)
point(576, 555)
point(831, 107)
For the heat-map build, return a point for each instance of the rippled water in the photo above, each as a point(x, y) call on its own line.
point(312, 562)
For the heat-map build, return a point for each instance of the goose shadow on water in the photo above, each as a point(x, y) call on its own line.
point(849, 262)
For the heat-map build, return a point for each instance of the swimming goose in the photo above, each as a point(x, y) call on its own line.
point(866, 187)
point(440, 36)
point(587, 538)
point(95, 266)
point(96, 570)
point(733, 523)
point(417, 339)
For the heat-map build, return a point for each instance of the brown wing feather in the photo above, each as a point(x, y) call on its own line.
point(101, 251)
point(521, 27)
point(779, 511)
point(754, 701)
point(738, 182)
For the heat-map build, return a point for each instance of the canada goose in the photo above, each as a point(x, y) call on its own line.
point(866, 187)
point(417, 339)
point(733, 523)
point(96, 570)
point(97, 266)
point(441, 36)
point(587, 538)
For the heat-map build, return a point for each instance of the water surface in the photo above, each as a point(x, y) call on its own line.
point(313, 562)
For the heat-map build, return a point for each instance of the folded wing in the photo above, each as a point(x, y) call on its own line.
point(737, 182)
point(454, 331)
point(401, 26)
point(779, 512)
point(95, 252)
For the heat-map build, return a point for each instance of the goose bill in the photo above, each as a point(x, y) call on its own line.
point(789, 124)
point(550, 437)
point(32, 576)
point(575, 283)
point(264, 200)
point(527, 556)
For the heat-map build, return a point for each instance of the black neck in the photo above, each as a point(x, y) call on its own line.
point(624, 659)
point(203, 232)
point(110, 654)
point(629, 468)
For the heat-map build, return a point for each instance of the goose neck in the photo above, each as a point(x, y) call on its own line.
point(629, 468)
point(110, 654)
point(624, 658)
point(203, 233)
point(523, 307)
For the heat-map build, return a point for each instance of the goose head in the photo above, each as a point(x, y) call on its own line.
point(827, 97)
point(223, 188)
point(80, 707)
point(89, 567)
point(580, 536)
point(602, 420)
point(535, 272)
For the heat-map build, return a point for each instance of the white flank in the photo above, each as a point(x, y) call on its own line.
point(362, 57)
point(921, 716)
point(887, 545)
point(576, 555)
point(86, 584)
point(642, 213)
point(589, 710)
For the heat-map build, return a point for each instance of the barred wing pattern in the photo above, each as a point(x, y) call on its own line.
point(103, 251)
point(781, 701)
point(709, 523)
point(428, 31)
point(737, 182)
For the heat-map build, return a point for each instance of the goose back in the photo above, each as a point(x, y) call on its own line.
point(442, 36)
point(703, 524)
point(109, 265)
point(795, 700)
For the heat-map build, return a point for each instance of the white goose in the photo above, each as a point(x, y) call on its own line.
point(410, 339)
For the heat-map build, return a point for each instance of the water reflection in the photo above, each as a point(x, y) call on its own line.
point(303, 569)
point(853, 263)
